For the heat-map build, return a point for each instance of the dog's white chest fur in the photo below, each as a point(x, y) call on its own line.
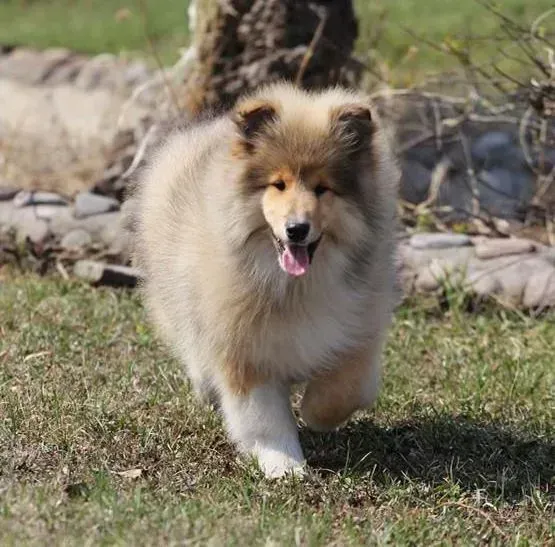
point(309, 327)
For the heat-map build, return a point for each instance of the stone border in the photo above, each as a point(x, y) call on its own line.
point(56, 66)
point(517, 271)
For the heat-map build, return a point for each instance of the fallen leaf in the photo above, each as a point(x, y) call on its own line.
point(130, 473)
point(122, 14)
point(35, 355)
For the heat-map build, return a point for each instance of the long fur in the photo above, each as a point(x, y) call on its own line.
point(203, 212)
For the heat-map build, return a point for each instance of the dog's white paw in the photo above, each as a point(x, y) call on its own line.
point(276, 463)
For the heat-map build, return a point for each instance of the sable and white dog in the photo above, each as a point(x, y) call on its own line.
point(266, 241)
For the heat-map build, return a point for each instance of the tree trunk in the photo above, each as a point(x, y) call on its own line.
point(241, 44)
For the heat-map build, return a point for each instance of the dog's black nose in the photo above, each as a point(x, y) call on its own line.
point(297, 232)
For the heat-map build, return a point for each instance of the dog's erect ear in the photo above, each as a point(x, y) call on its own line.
point(251, 118)
point(355, 123)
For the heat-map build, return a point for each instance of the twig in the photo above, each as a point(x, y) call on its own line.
point(311, 48)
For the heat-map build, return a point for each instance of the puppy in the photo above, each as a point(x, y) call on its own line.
point(266, 240)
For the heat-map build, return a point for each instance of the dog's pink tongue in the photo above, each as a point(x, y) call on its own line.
point(294, 260)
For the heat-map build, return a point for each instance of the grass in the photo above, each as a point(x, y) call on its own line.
point(105, 25)
point(97, 26)
point(102, 443)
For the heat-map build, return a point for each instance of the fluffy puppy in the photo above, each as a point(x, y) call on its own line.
point(266, 241)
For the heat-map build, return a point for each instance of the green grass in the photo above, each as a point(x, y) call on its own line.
point(97, 26)
point(407, 59)
point(459, 450)
point(92, 26)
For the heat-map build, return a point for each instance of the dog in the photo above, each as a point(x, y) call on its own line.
point(265, 238)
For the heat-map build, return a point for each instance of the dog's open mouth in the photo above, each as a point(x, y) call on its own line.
point(295, 259)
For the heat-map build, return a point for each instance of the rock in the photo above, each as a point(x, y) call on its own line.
point(540, 289)
point(513, 275)
point(548, 253)
point(415, 181)
point(88, 204)
point(7, 192)
point(483, 283)
point(80, 125)
point(96, 225)
point(27, 198)
point(47, 212)
point(136, 73)
point(23, 222)
point(32, 67)
point(77, 238)
point(7, 209)
point(505, 190)
point(99, 273)
point(489, 146)
point(67, 72)
point(439, 241)
point(426, 280)
point(418, 258)
point(431, 276)
point(36, 230)
point(493, 248)
point(100, 73)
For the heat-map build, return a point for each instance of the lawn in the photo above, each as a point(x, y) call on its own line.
point(102, 443)
point(97, 26)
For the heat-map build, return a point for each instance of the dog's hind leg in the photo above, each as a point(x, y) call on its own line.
point(260, 421)
point(331, 397)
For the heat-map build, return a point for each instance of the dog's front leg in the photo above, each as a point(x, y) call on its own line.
point(331, 397)
point(260, 421)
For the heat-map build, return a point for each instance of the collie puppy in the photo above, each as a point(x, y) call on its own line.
point(266, 241)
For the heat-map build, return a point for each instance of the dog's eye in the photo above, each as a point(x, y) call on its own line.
point(280, 185)
point(320, 189)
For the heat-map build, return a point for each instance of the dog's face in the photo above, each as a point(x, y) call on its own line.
point(305, 176)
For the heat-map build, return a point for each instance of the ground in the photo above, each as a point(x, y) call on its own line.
point(100, 437)
point(141, 26)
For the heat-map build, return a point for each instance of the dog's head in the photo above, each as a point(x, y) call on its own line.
point(307, 158)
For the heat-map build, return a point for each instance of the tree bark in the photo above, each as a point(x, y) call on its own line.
point(241, 44)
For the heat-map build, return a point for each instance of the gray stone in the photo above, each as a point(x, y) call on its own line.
point(80, 125)
point(100, 74)
point(437, 271)
point(439, 241)
point(504, 190)
point(493, 248)
point(483, 283)
point(95, 225)
point(7, 209)
point(426, 280)
point(548, 253)
point(36, 230)
point(7, 192)
point(136, 73)
point(23, 221)
point(417, 258)
point(26, 198)
point(67, 72)
point(89, 204)
point(415, 181)
point(47, 212)
point(99, 273)
point(31, 67)
point(77, 238)
point(540, 288)
point(489, 146)
point(513, 274)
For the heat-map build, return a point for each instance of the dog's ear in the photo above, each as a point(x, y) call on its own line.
point(251, 119)
point(356, 124)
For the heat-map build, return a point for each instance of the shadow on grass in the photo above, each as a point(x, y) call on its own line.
point(491, 457)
